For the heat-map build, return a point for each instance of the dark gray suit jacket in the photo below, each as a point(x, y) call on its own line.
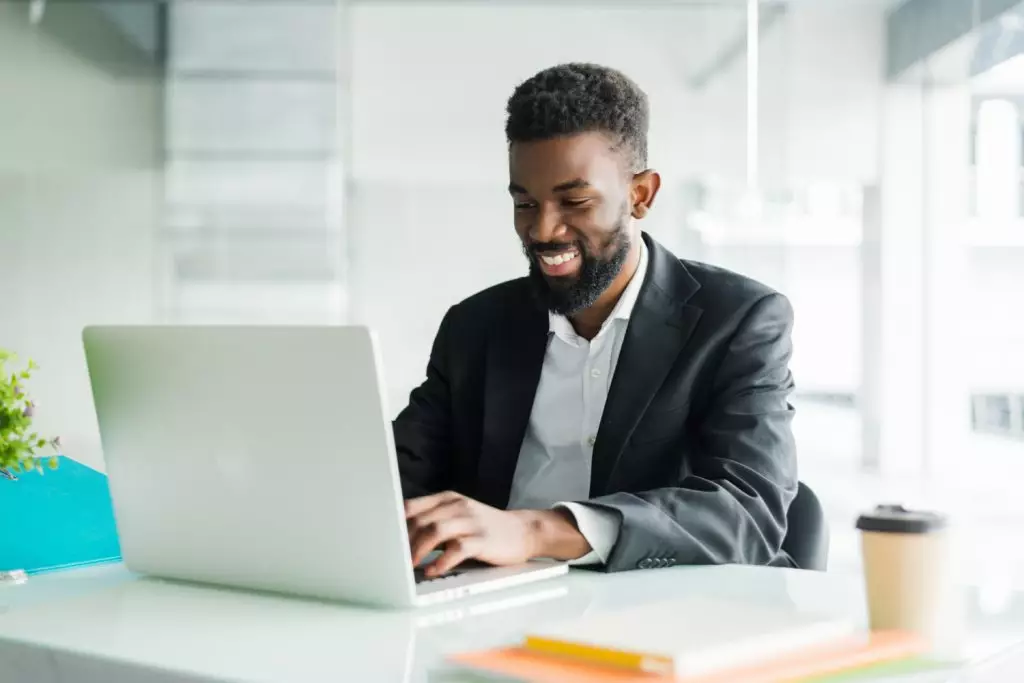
point(695, 451)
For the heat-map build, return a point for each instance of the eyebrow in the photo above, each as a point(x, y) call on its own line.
point(575, 184)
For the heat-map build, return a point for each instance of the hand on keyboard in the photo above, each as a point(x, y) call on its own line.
point(463, 529)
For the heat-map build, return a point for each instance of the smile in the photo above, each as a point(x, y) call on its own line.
point(560, 264)
point(559, 259)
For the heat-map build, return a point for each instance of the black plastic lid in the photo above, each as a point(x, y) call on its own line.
point(900, 520)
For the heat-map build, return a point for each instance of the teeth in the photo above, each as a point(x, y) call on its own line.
point(558, 259)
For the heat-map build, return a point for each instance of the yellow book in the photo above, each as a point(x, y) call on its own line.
point(692, 637)
point(639, 661)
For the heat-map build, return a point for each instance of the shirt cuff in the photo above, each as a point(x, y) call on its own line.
point(599, 527)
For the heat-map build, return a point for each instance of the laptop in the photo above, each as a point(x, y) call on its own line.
point(263, 458)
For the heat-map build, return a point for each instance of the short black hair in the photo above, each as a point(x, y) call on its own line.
point(577, 98)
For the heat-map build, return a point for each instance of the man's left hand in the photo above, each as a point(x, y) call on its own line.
point(467, 529)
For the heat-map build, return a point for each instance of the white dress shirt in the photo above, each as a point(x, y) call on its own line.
point(555, 458)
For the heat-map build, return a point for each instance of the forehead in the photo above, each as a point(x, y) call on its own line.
point(541, 165)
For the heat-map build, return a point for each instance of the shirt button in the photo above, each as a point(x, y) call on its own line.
point(591, 441)
point(595, 373)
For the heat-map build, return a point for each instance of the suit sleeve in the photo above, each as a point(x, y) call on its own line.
point(730, 506)
point(423, 430)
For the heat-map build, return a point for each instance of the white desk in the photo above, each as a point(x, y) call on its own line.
point(107, 625)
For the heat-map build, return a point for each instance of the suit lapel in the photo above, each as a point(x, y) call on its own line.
point(658, 330)
point(515, 358)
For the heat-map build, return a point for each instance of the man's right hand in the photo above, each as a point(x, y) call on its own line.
point(467, 529)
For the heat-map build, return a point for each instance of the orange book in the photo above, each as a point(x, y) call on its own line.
point(841, 656)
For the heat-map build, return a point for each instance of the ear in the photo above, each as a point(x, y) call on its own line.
point(644, 189)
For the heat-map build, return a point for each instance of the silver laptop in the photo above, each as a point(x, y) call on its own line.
point(263, 458)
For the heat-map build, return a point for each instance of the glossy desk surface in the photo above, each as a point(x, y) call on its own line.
point(106, 624)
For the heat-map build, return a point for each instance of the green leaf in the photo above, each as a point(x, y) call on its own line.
point(54, 462)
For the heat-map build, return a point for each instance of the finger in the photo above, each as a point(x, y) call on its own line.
point(457, 507)
point(455, 553)
point(417, 506)
point(429, 538)
point(435, 526)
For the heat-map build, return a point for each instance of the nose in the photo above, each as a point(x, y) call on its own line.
point(549, 226)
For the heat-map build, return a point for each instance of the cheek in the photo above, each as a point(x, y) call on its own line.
point(522, 226)
point(598, 228)
point(595, 223)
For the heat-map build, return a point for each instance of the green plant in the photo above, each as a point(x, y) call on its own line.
point(19, 445)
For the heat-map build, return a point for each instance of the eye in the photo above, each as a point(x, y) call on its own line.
point(574, 203)
point(524, 206)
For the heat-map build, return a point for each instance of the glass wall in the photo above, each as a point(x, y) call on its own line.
point(323, 161)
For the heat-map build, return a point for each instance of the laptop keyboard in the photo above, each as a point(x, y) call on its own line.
point(423, 578)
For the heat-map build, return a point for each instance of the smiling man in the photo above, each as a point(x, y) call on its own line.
point(617, 407)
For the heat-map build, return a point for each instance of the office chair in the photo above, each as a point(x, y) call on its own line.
point(807, 536)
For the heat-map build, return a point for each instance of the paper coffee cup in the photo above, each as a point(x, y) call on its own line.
point(909, 572)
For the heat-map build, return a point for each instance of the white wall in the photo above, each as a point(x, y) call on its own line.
point(824, 284)
point(431, 80)
point(994, 323)
point(255, 182)
point(820, 93)
point(78, 201)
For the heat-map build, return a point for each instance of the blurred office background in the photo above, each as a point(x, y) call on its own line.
point(330, 161)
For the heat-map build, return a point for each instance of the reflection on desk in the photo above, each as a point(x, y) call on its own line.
point(109, 625)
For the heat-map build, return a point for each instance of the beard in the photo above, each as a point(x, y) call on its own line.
point(570, 295)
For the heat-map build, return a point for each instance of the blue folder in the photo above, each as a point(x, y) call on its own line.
point(60, 519)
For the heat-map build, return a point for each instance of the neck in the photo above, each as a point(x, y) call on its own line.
point(588, 322)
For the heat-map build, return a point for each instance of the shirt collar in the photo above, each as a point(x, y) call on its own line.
point(562, 327)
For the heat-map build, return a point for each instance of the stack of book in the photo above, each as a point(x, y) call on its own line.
point(699, 641)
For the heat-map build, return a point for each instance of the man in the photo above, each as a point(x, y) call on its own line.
point(618, 407)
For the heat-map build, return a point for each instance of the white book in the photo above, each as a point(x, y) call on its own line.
point(689, 637)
